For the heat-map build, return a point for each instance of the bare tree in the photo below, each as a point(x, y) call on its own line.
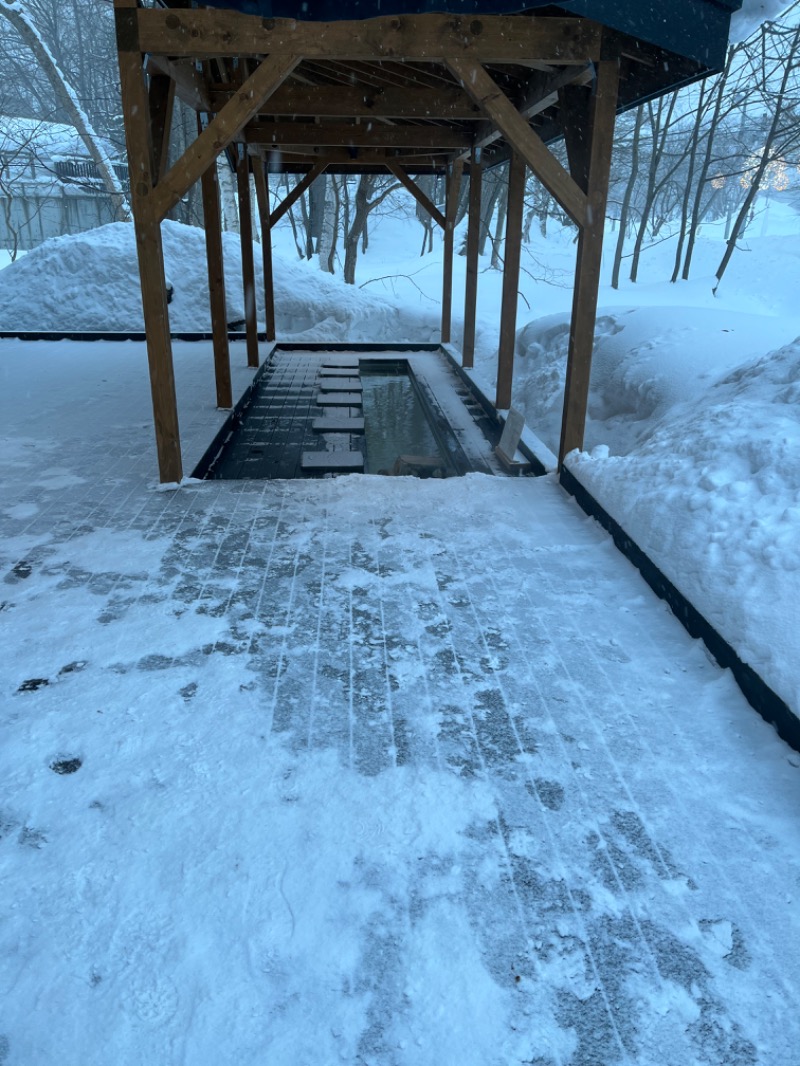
point(18, 17)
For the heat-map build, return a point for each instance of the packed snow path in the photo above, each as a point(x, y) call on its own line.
point(372, 770)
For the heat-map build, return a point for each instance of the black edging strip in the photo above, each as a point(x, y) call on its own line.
point(756, 691)
point(230, 425)
point(89, 335)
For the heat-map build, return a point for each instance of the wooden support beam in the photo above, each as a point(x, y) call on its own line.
point(162, 99)
point(367, 135)
point(449, 104)
point(248, 265)
point(212, 219)
point(262, 197)
point(511, 262)
point(292, 161)
point(141, 160)
point(190, 86)
point(210, 32)
point(221, 131)
point(538, 99)
point(575, 119)
point(451, 204)
point(515, 129)
point(306, 182)
point(416, 192)
point(590, 253)
point(473, 243)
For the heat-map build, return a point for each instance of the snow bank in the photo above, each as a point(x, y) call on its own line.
point(712, 494)
point(646, 360)
point(90, 281)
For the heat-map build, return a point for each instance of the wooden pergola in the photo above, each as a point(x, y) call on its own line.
point(406, 93)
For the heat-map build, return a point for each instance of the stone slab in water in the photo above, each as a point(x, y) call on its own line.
point(324, 462)
point(338, 425)
point(340, 385)
point(339, 399)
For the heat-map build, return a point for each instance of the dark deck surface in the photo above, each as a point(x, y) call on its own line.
point(290, 404)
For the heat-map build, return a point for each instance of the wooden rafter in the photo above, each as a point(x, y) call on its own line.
point(221, 131)
point(537, 100)
point(424, 202)
point(516, 130)
point(209, 32)
point(296, 193)
point(162, 98)
point(367, 135)
point(359, 101)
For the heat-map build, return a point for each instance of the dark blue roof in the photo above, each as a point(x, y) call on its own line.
point(697, 29)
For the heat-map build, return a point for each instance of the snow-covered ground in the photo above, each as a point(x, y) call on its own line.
point(393, 772)
point(366, 770)
point(693, 437)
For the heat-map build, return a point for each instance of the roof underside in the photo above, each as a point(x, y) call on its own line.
point(357, 106)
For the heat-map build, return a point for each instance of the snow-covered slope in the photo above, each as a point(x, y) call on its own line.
point(90, 281)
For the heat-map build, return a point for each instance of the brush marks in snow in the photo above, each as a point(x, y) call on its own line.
point(361, 783)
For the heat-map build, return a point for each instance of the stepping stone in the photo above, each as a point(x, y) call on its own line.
point(341, 385)
point(339, 399)
point(338, 371)
point(338, 425)
point(328, 462)
point(339, 362)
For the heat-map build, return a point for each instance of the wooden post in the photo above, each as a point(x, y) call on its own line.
point(147, 227)
point(453, 188)
point(508, 314)
point(262, 196)
point(248, 266)
point(590, 252)
point(216, 285)
point(473, 243)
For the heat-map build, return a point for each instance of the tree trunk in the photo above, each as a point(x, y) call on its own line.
point(698, 122)
point(624, 213)
point(69, 101)
point(502, 196)
point(766, 159)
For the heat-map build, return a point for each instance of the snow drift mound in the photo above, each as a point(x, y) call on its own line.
point(90, 281)
point(646, 360)
point(713, 497)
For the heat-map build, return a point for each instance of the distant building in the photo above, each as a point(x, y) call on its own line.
point(49, 185)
